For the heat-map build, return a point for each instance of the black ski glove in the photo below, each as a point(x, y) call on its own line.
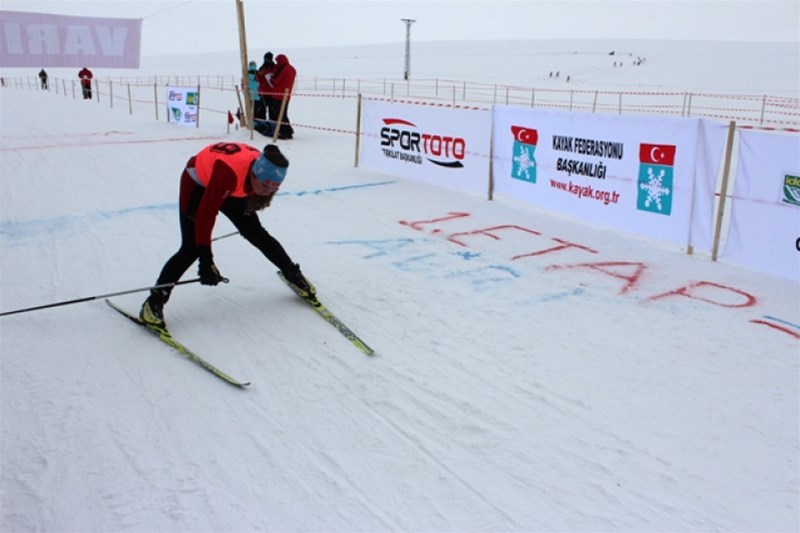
point(209, 273)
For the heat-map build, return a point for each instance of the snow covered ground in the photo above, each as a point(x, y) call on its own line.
point(531, 394)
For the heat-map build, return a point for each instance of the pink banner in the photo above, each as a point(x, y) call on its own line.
point(44, 40)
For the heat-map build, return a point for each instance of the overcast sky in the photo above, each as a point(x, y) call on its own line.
point(210, 25)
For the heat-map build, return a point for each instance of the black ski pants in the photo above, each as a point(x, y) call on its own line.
point(246, 222)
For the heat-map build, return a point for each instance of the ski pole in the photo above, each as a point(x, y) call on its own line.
point(100, 296)
point(225, 236)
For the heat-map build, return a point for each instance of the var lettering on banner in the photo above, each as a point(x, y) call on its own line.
point(40, 39)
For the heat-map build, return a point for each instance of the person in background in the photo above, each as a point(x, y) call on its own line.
point(86, 76)
point(264, 76)
point(43, 79)
point(237, 180)
point(258, 106)
point(282, 80)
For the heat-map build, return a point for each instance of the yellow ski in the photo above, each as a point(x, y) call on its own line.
point(164, 336)
point(326, 313)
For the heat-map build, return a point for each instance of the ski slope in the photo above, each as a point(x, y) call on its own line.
point(527, 394)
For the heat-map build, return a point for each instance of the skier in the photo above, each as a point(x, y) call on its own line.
point(43, 79)
point(86, 82)
point(237, 180)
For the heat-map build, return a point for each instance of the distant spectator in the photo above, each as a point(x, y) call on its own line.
point(283, 79)
point(86, 76)
point(43, 79)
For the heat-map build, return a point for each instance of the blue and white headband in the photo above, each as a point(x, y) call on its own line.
point(266, 170)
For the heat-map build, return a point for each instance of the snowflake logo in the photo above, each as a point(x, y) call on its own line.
point(523, 162)
point(654, 188)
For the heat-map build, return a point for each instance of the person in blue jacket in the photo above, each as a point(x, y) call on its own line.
point(259, 111)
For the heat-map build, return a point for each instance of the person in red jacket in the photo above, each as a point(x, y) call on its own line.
point(86, 76)
point(283, 78)
point(237, 180)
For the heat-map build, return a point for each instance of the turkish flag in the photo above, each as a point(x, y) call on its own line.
point(657, 154)
point(525, 135)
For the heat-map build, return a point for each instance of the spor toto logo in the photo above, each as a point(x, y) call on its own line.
point(402, 138)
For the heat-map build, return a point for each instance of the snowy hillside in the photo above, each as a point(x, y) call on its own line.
point(641, 389)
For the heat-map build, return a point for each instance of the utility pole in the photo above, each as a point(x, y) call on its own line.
point(248, 120)
point(407, 71)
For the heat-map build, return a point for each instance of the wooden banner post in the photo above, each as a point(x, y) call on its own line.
point(242, 118)
point(280, 115)
point(155, 96)
point(723, 193)
point(358, 129)
point(247, 116)
point(198, 107)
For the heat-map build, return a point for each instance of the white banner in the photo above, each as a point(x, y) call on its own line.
point(43, 40)
point(444, 147)
point(634, 174)
point(710, 158)
point(182, 105)
point(765, 207)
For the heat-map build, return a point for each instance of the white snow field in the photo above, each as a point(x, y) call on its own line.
point(505, 394)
